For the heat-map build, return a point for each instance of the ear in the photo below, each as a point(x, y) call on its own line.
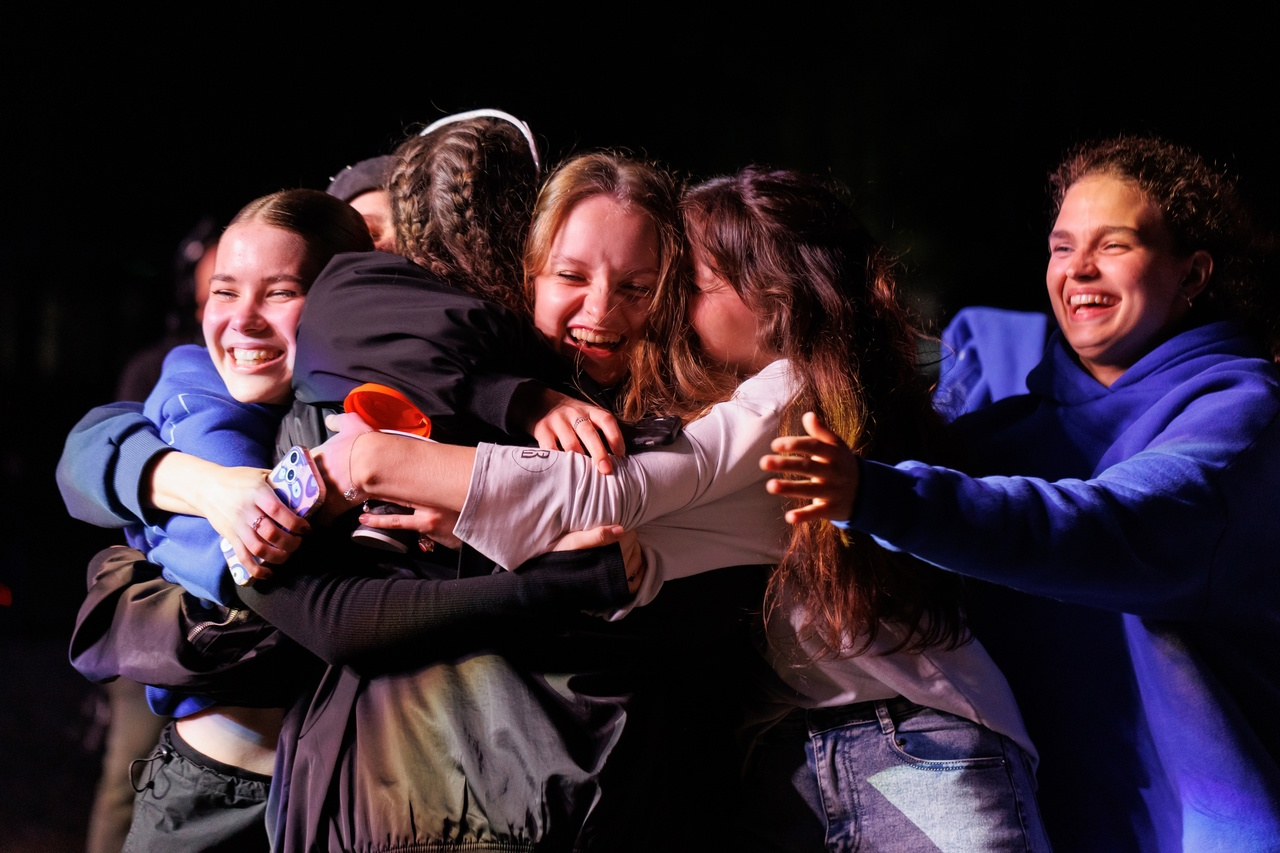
point(1197, 274)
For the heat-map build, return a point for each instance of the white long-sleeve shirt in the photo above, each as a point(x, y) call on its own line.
point(701, 505)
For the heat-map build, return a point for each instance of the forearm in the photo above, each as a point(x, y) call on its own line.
point(411, 472)
point(1104, 542)
point(105, 463)
point(347, 619)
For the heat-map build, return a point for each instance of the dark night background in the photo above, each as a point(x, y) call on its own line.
point(119, 135)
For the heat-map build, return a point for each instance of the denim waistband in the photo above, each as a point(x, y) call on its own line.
point(819, 719)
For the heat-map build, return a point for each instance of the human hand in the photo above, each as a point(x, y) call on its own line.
point(434, 526)
point(628, 541)
point(333, 459)
point(563, 423)
point(247, 512)
point(827, 467)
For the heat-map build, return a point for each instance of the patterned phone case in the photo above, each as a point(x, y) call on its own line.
point(298, 483)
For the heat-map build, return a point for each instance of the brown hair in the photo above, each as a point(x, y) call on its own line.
point(327, 225)
point(635, 184)
point(797, 255)
point(461, 198)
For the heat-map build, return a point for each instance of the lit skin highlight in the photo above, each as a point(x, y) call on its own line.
point(1116, 283)
point(591, 298)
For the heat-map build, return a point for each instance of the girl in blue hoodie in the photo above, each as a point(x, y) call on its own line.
point(1122, 511)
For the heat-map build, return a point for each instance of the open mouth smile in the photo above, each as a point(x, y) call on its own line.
point(1079, 303)
point(593, 339)
point(253, 357)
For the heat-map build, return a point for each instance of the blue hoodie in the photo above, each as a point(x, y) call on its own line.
point(1140, 522)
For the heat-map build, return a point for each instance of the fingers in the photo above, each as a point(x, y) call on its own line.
point(805, 489)
point(803, 466)
point(593, 538)
point(801, 444)
point(607, 424)
point(816, 428)
point(347, 422)
point(590, 442)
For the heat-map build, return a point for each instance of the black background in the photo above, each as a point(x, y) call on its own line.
point(119, 133)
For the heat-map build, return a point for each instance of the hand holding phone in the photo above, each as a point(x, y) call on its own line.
point(297, 482)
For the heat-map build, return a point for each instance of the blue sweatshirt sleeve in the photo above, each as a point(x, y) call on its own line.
point(103, 462)
point(1159, 531)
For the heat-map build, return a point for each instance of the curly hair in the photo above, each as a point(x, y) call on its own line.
point(1202, 209)
point(327, 225)
point(793, 249)
point(461, 197)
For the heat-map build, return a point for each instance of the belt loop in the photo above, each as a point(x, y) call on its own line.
point(887, 725)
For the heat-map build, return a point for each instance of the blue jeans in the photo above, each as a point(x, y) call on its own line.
point(889, 776)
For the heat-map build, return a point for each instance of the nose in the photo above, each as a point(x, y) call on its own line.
point(248, 318)
point(599, 300)
point(1082, 267)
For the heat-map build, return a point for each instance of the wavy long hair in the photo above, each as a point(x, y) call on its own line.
point(793, 249)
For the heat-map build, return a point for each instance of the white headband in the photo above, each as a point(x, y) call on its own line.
point(498, 114)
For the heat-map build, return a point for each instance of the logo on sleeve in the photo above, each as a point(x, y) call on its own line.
point(533, 459)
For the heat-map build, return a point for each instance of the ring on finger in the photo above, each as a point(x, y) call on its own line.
point(426, 543)
point(256, 522)
point(579, 420)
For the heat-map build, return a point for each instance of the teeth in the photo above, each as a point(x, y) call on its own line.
point(1099, 299)
point(587, 336)
point(253, 356)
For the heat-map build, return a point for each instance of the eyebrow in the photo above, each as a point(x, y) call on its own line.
point(1100, 231)
point(271, 279)
point(570, 261)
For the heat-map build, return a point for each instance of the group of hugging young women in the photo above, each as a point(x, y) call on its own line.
point(695, 557)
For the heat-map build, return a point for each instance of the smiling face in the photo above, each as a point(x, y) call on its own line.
point(256, 295)
point(727, 329)
point(1117, 285)
point(592, 296)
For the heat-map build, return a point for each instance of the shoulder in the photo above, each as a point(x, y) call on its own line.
point(187, 369)
point(771, 389)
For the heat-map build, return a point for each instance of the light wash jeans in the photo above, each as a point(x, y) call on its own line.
point(889, 776)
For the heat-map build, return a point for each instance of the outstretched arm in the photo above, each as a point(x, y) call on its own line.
point(385, 622)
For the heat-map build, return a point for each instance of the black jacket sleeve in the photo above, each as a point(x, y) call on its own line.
point(353, 619)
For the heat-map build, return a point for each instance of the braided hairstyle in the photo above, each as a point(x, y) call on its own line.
point(461, 200)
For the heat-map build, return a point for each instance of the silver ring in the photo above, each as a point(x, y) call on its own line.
point(579, 420)
point(256, 522)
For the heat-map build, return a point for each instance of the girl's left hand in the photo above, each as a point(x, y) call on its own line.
point(827, 467)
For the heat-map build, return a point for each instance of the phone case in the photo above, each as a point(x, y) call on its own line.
point(297, 482)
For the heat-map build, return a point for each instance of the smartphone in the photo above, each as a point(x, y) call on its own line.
point(646, 433)
point(297, 482)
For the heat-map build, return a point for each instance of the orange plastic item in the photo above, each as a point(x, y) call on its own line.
point(385, 408)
